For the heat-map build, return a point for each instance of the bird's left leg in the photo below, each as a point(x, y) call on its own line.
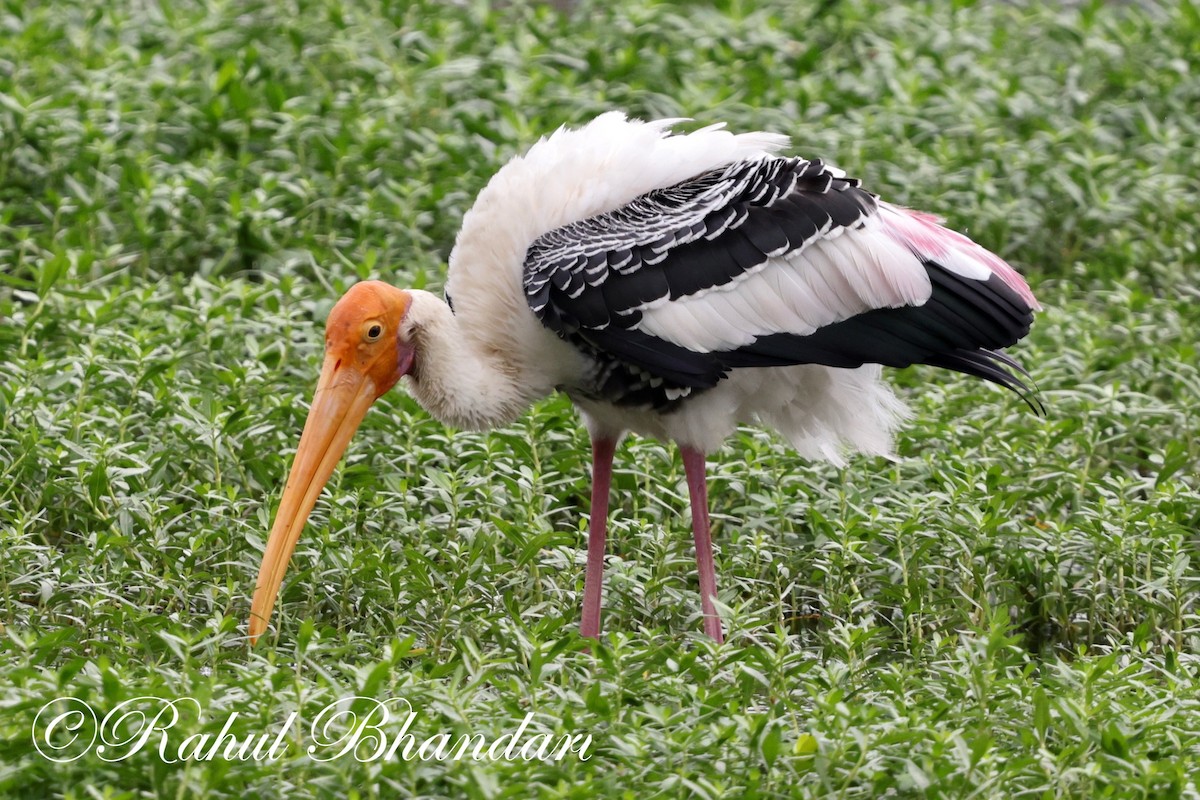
point(603, 448)
point(693, 466)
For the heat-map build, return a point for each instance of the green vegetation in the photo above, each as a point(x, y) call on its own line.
point(1011, 610)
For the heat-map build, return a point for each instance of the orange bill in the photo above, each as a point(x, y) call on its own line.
point(343, 396)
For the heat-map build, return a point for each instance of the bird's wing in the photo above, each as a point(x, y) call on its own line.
point(770, 262)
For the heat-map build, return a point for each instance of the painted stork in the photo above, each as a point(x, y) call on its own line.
point(673, 285)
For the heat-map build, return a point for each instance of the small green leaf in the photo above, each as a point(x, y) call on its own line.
point(806, 745)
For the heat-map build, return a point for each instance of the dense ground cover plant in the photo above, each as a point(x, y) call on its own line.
point(1009, 610)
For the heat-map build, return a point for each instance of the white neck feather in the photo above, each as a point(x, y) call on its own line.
point(456, 377)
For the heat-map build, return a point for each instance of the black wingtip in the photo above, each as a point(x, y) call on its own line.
point(994, 367)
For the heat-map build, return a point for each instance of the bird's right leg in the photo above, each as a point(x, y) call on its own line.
point(602, 458)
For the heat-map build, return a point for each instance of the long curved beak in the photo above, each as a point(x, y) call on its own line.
point(342, 399)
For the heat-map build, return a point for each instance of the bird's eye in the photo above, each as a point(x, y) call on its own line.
point(374, 332)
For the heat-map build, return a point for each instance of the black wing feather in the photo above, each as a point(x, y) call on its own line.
point(587, 282)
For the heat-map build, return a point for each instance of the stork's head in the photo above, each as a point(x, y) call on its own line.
point(364, 338)
point(366, 353)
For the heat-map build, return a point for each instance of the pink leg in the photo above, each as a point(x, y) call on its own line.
point(693, 466)
point(593, 581)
